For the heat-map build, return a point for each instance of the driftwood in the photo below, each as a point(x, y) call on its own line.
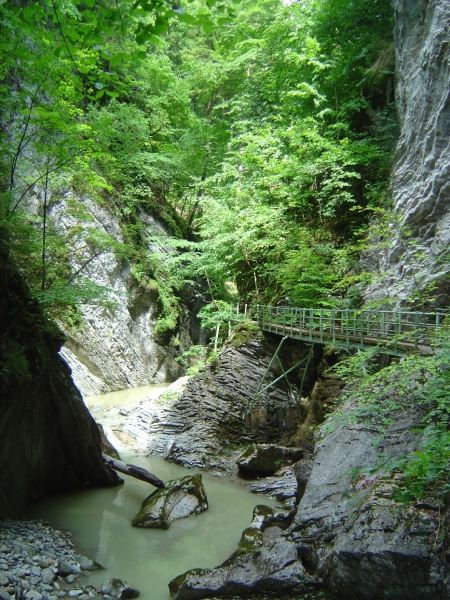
point(133, 471)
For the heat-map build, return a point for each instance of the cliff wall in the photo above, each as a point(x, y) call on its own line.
point(49, 441)
point(411, 260)
point(116, 348)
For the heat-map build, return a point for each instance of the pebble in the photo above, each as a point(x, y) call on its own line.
point(40, 563)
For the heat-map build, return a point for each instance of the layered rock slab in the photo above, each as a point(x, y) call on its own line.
point(179, 499)
point(266, 459)
point(215, 408)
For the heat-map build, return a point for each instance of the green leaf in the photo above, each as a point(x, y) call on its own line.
point(115, 60)
point(186, 18)
point(207, 26)
point(97, 38)
point(112, 94)
point(108, 30)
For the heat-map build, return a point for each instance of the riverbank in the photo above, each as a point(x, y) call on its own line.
point(38, 562)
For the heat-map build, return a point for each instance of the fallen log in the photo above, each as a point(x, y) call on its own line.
point(133, 471)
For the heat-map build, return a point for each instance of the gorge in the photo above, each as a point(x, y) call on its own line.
point(245, 167)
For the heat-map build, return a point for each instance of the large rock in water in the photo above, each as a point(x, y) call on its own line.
point(266, 459)
point(179, 499)
point(49, 441)
point(415, 259)
point(263, 563)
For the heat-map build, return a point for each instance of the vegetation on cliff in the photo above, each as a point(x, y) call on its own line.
point(261, 135)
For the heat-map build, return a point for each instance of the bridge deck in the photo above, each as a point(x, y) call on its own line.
point(396, 331)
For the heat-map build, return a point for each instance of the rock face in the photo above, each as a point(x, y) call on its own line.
point(416, 257)
point(265, 459)
point(49, 440)
point(179, 499)
point(348, 532)
point(215, 408)
point(117, 348)
point(262, 564)
point(284, 487)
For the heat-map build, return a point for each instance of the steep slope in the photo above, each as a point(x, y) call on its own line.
point(412, 261)
point(116, 348)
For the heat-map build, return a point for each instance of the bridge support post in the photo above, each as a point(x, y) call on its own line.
point(285, 374)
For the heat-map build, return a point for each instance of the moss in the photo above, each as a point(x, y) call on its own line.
point(251, 539)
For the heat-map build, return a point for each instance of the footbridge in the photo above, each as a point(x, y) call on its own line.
point(394, 332)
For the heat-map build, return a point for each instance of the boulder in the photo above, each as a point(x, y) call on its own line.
point(266, 459)
point(264, 563)
point(273, 568)
point(120, 589)
point(179, 499)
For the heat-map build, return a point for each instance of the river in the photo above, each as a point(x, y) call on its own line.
point(147, 558)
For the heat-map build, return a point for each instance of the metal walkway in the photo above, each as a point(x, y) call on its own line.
point(395, 331)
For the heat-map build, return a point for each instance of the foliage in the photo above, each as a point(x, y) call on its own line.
point(299, 144)
point(428, 467)
point(262, 137)
point(196, 358)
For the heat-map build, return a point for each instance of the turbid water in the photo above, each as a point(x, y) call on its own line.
point(149, 558)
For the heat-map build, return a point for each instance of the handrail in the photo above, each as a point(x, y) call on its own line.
point(397, 330)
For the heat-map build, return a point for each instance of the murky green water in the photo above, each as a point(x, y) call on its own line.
point(150, 558)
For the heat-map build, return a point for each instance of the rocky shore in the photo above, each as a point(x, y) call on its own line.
point(38, 562)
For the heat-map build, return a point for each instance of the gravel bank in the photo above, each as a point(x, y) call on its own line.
point(38, 562)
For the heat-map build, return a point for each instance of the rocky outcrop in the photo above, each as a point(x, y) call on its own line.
point(116, 347)
point(179, 499)
point(216, 408)
point(348, 533)
point(265, 459)
point(283, 487)
point(412, 260)
point(263, 564)
point(49, 441)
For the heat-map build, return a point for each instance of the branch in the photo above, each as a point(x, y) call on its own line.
point(63, 36)
point(39, 179)
point(86, 264)
point(21, 147)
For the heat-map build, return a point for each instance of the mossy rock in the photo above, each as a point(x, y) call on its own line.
point(179, 499)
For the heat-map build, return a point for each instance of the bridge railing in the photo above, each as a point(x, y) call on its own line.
point(352, 327)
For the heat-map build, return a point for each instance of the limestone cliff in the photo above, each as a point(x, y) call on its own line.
point(412, 262)
point(117, 348)
point(49, 441)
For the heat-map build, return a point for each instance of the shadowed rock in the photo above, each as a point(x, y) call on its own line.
point(266, 459)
